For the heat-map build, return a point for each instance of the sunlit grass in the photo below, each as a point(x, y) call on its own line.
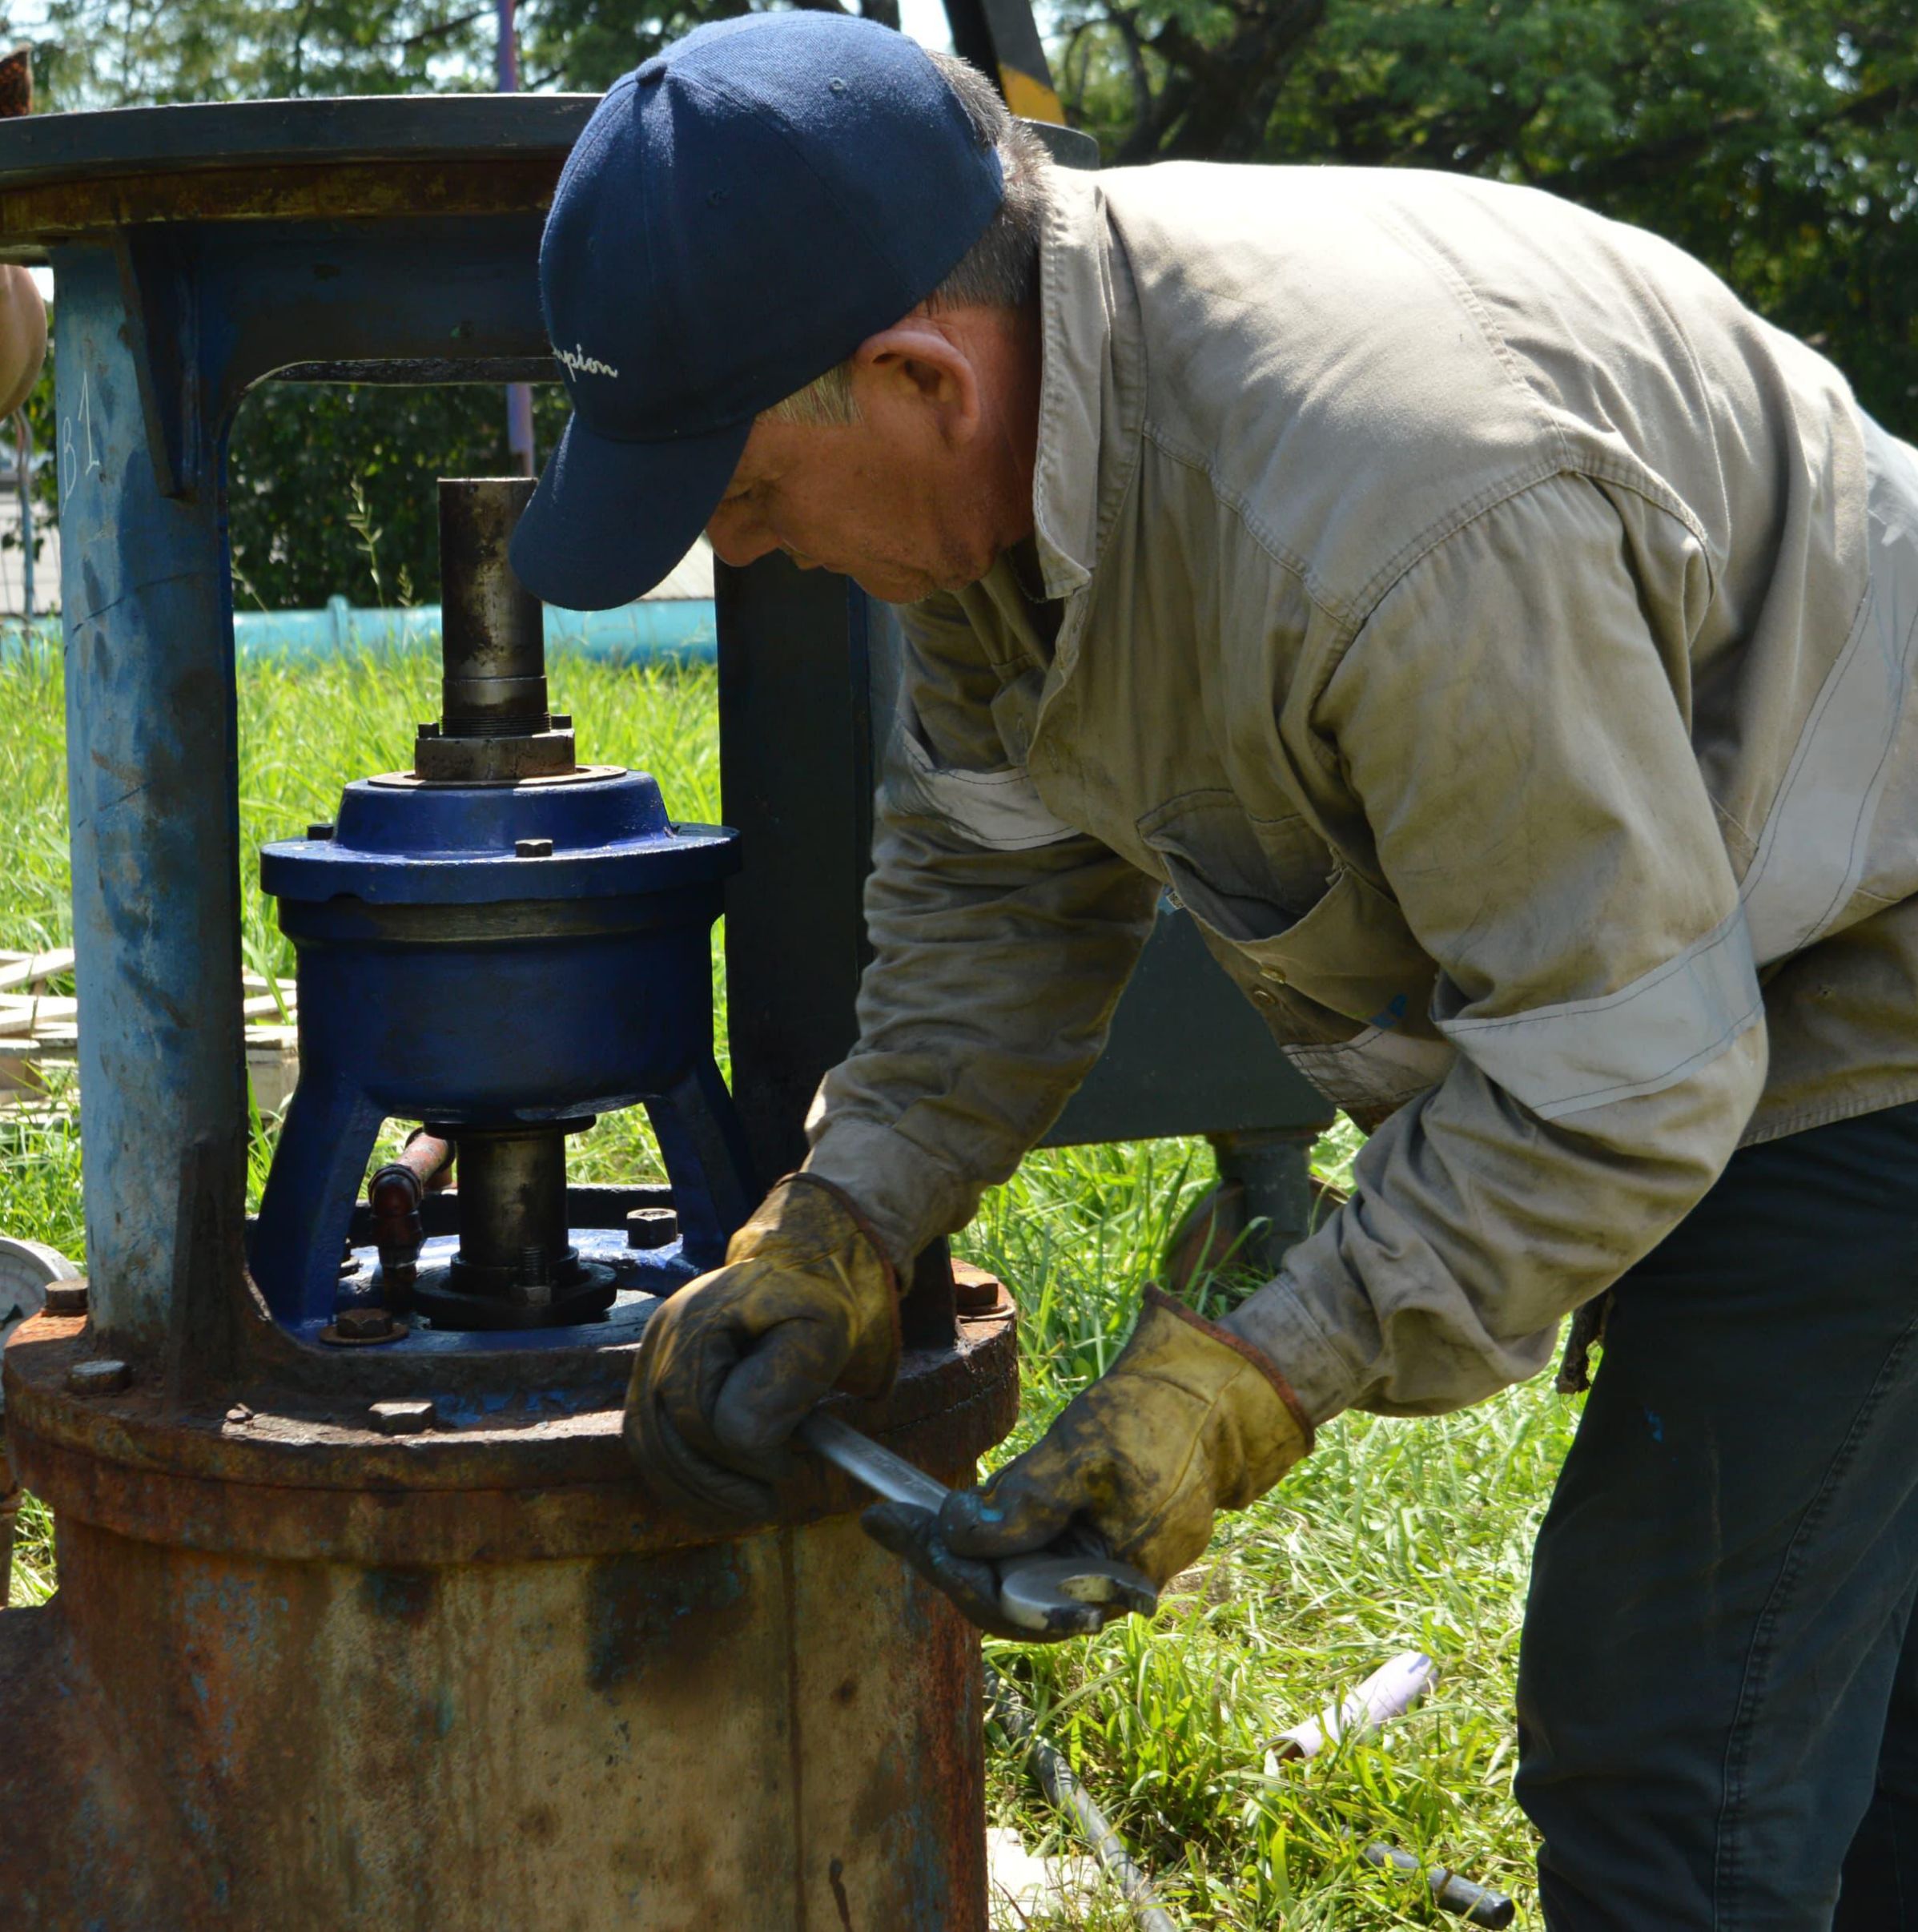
point(1394, 1535)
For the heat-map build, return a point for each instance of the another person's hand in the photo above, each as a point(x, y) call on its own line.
point(23, 314)
point(806, 1303)
point(1189, 1420)
point(22, 337)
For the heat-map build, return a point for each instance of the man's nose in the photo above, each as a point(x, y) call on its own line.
point(739, 537)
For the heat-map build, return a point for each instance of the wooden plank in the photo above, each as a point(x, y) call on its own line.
point(20, 1068)
point(31, 968)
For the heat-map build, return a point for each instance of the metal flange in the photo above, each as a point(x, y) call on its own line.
point(280, 1474)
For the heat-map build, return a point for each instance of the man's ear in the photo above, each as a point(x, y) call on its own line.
point(916, 365)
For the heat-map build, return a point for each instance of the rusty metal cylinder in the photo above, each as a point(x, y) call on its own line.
point(492, 643)
point(300, 1672)
point(759, 1736)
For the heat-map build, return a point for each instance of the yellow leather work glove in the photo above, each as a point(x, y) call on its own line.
point(1189, 1420)
point(729, 1365)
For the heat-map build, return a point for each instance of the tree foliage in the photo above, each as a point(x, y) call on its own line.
point(330, 489)
point(121, 52)
point(1777, 139)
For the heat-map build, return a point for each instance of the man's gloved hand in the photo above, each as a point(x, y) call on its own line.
point(1190, 1419)
point(807, 1302)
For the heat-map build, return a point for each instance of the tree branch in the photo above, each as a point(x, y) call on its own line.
point(1635, 165)
point(438, 31)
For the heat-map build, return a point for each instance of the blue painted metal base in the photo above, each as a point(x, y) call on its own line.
point(643, 1276)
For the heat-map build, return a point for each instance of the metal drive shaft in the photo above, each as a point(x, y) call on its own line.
point(495, 728)
point(492, 641)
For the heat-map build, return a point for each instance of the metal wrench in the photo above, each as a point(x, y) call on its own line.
point(1036, 1593)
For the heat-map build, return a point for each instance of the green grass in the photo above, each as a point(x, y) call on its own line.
point(1394, 1535)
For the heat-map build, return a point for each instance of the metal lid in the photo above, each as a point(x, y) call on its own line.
point(306, 133)
point(398, 842)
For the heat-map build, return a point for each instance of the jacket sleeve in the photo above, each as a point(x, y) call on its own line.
point(1512, 719)
point(1001, 938)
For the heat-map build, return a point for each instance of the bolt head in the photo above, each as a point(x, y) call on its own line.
point(561, 720)
point(67, 1297)
point(974, 1290)
point(652, 1227)
point(102, 1376)
point(532, 848)
point(405, 1418)
point(364, 1324)
point(323, 830)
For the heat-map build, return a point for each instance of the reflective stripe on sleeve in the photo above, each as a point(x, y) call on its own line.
point(1812, 850)
point(1374, 1068)
point(1642, 1038)
point(999, 809)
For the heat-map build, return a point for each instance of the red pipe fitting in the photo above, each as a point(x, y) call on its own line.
point(394, 1195)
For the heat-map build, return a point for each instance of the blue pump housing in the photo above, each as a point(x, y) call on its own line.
point(492, 955)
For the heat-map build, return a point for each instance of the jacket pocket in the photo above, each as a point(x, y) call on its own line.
point(1245, 880)
point(1347, 947)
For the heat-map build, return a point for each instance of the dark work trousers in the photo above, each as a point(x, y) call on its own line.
point(1718, 1692)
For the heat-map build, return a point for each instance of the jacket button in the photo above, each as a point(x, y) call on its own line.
point(1273, 974)
point(1264, 996)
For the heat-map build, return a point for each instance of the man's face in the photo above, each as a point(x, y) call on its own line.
point(915, 495)
point(847, 500)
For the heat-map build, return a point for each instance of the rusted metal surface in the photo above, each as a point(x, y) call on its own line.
point(976, 1290)
point(32, 218)
point(361, 1328)
point(305, 1671)
point(780, 1732)
point(69, 176)
point(301, 1671)
point(495, 725)
point(9, 1510)
point(491, 638)
point(55, 1717)
point(493, 1481)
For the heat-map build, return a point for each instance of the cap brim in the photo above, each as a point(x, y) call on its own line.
point(608, 520)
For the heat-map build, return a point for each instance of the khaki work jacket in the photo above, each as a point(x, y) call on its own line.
point(1499, 639)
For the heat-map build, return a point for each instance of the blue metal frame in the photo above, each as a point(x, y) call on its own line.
point(161, 329)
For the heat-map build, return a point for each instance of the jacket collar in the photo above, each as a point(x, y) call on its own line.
point(1092, 384)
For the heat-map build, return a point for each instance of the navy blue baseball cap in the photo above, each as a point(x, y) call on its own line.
point(741, 213)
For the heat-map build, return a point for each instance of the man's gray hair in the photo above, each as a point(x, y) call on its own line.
point(1000, 270)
